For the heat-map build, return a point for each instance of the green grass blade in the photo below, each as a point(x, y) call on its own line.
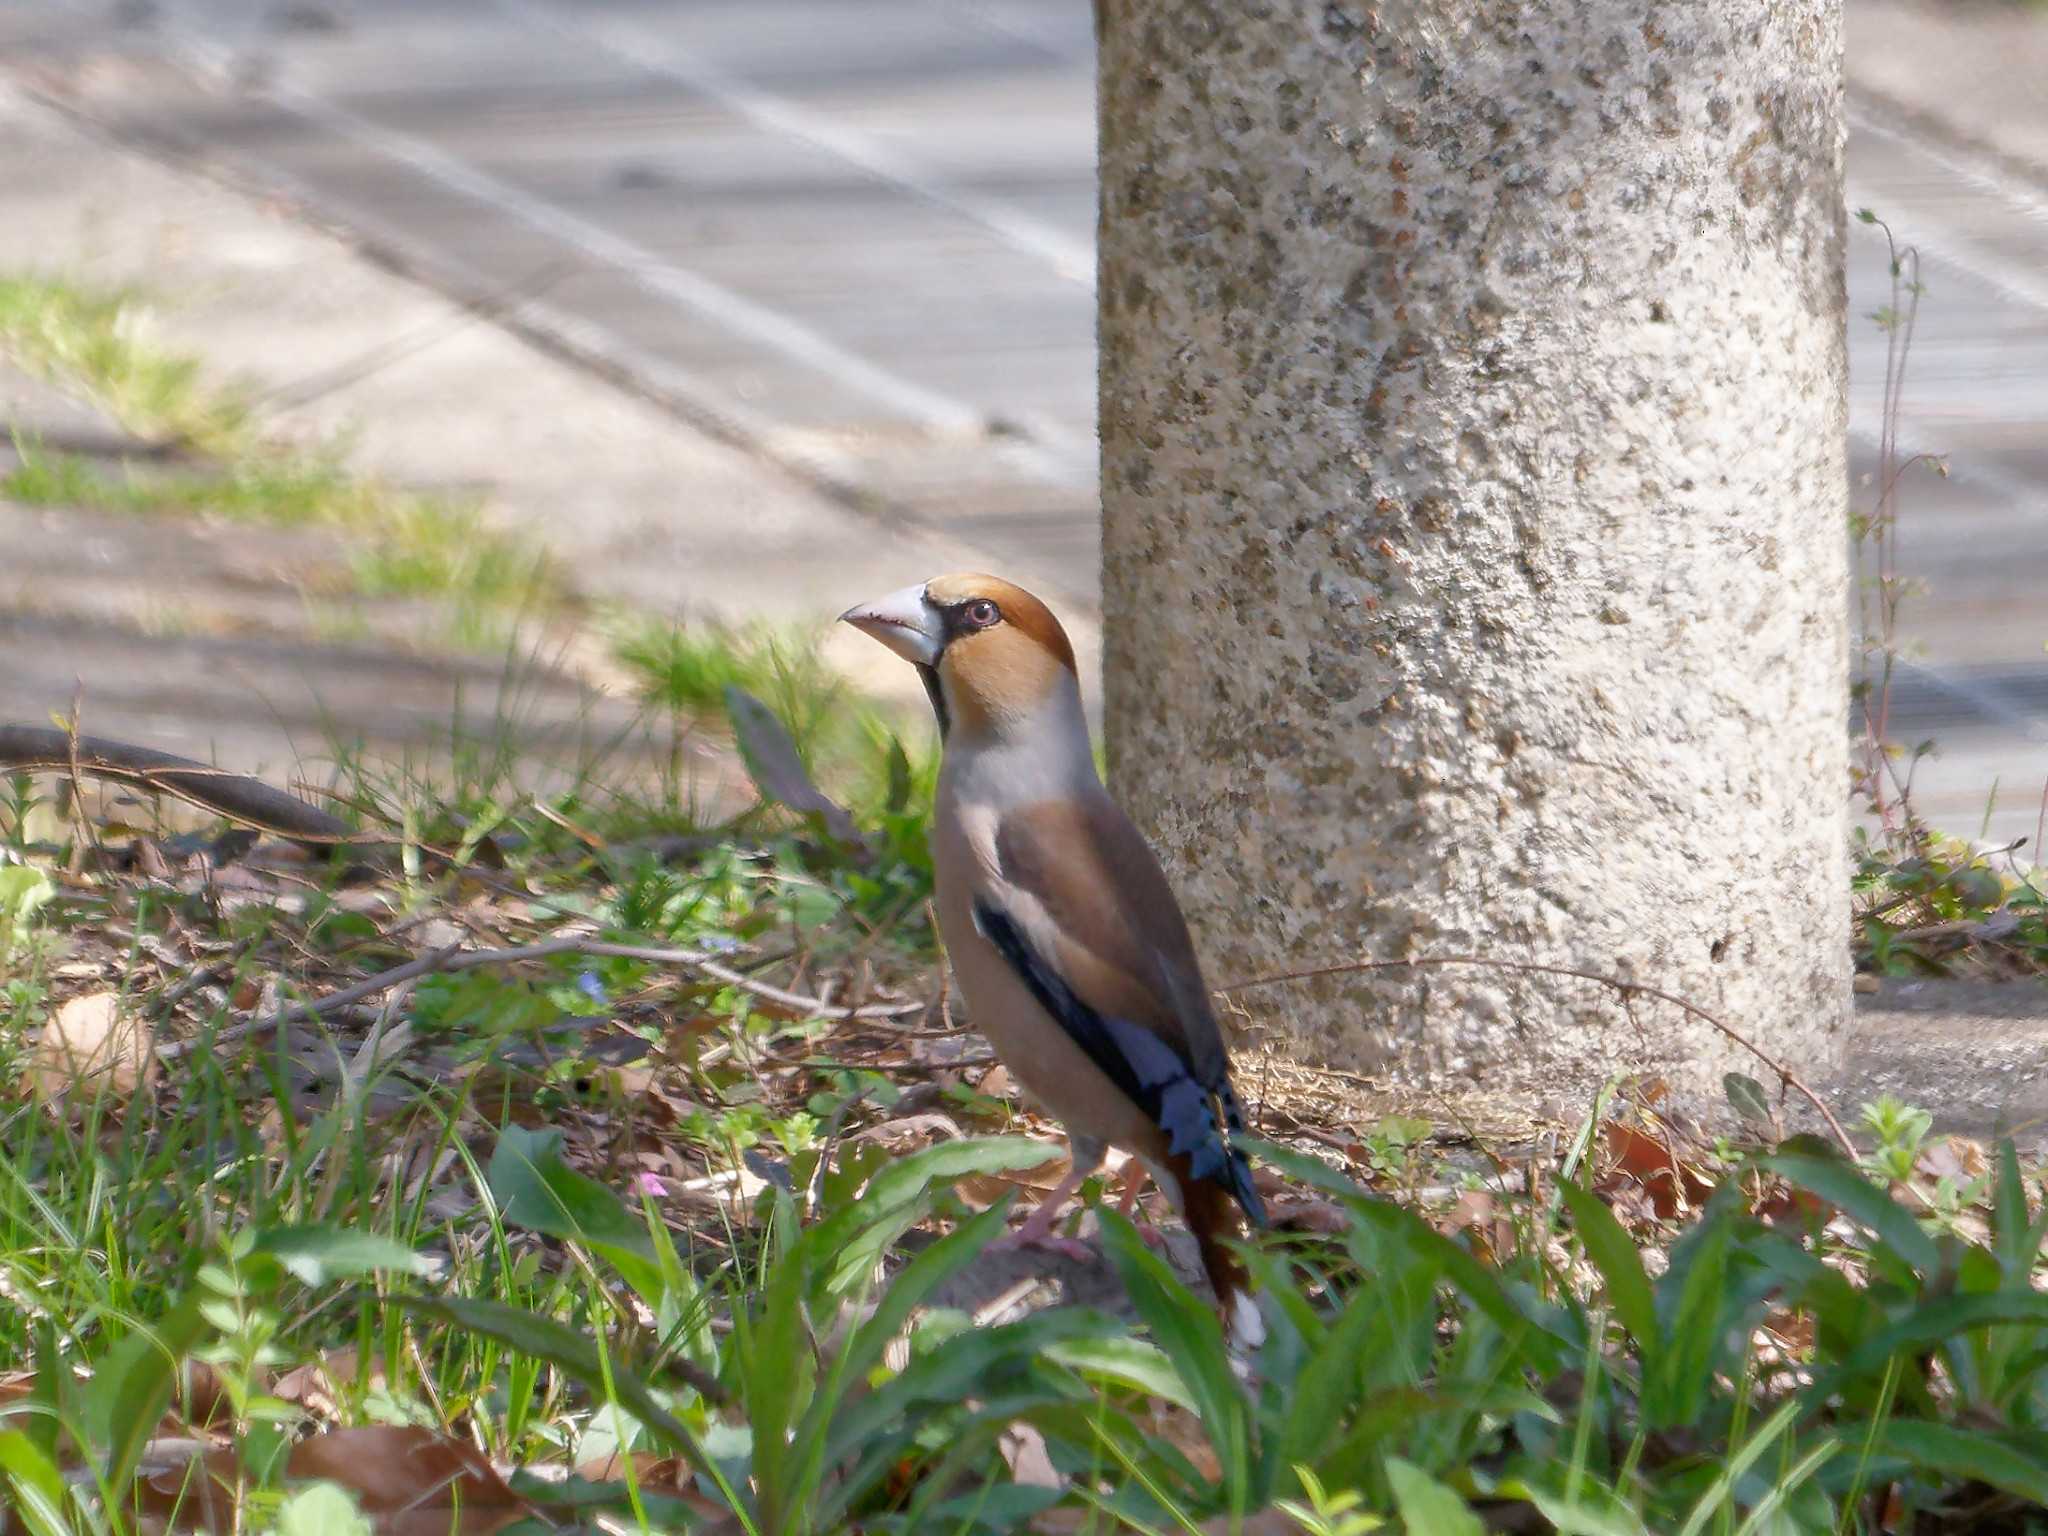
point(1846, 1188)
point(1613, 1253)
point(1718, 1494)
point(1426, 1506)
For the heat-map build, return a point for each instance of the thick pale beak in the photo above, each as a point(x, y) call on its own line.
point(904, 622)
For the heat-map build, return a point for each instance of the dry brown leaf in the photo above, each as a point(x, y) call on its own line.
point(982, 1190)
point(1649, 1162)
point(92, 1046)
point(412, 1479)
point(316, 1385)
point(1956, 1158)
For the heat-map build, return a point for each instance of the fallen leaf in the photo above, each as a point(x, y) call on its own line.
point(317, 1385)
point(1956, 1158)
point(90, 1047)
point(416, 1482)
point(777, 768)
point(1649, 1162)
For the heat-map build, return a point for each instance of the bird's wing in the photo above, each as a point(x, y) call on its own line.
point(1113, 926)
point(1082, 913)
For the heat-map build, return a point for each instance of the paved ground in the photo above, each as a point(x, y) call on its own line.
point(857, 240)
point(791, 299)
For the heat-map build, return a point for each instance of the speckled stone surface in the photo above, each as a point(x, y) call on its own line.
point(1474, 572)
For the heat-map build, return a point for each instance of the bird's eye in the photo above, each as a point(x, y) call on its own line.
point(981, 613)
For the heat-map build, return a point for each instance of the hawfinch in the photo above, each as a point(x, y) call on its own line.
point(1065, 937)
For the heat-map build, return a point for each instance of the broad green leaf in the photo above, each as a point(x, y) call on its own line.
point(323, 1509)
point(1931, 1325)
point(1186, 1329)
point(1747, 1098)
point(34, 1485)
point(864, 1349)
point(1426, 1506)
point(23, 889)
point(133, 1384)
point(318, 1254)
point(1690, 1299)
point(1125, 1362)
point(1850, 1191)
point(535, 1189)
point(1613, 1253)
point(995, 1366)
point(571, 1352)
point(2015, 1462)
point(2010, 1229)
point(1479, 1283)
point(1575, 1517)
point(1481, 1288)
point(856, 1236)
point(776, 764)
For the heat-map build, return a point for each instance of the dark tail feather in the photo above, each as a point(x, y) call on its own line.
point(1209, 1208)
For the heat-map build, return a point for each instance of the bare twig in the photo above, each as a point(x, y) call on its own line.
point(454, 958)
point(1786, 1076)
point(32, 748)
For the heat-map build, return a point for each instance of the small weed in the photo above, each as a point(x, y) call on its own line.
point(98, 343)
point(402, 544)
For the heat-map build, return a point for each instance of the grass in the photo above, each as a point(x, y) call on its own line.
point(580, 1238)
point(217, 461)
point(590, 1241)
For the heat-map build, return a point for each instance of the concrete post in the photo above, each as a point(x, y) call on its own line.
point(1475, 576)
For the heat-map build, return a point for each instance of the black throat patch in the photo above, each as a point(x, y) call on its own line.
point(929, 676)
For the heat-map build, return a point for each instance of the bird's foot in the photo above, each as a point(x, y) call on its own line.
point(1046, 1242)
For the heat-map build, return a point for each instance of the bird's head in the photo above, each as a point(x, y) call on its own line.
point(993, 658)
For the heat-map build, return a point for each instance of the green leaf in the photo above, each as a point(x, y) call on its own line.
point(1747, 1098)
point(1426, 1506)
point(997, 1367)
point(1722, 1490)
point(23, 890)
point(1846, 1188)
point(2010, 1230)
point(1613, 1253)
point(323, 1509)
point(318, 1254)
point(1186, 1329)
point(132, 1386)
point(573, 1353)
point(2015, 1462)
point(1125, 1362)
point(1690, 1298)
point(856, 1236)
point(1575, 1517)
point(1485, 1292)
point(535, 1189)
point(35, 1486)
point(1930, 1325)
point(776, 765)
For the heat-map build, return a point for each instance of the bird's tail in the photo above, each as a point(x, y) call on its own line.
point(1210, 1209)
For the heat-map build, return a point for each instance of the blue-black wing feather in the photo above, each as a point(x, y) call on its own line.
point(1198, 1117)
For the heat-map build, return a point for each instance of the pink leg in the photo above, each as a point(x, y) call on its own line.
point(1037, 1229)
point(1134, 1176)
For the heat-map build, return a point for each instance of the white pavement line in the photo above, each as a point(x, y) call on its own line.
point(1979, 171)
point(678, 285)
point(2015, 284)
point(1071, 259)
point(1986, 699)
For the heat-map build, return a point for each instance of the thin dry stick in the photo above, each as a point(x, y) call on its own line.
point(454, 958)
point(1786, 1076)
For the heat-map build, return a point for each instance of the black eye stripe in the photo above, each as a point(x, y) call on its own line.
point(969, 616)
